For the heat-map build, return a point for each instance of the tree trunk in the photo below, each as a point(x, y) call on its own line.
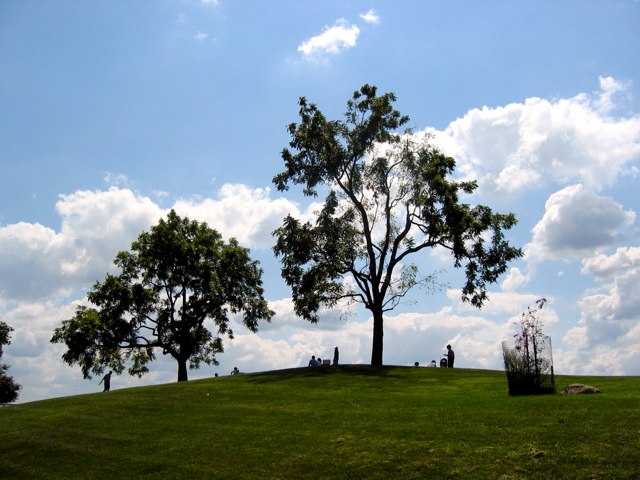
point(182, 370)
point(376, 349)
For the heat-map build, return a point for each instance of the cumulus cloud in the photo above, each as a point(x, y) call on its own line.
point(38, 262)
point(570, 143)
point(249, 215)
point(200, 36)
point(45, 272)
point(624, 261)
point(513, 280)
point(618, 300)
point(514, 148)
point(606, 338)
point(333, 40)
point(576, 222)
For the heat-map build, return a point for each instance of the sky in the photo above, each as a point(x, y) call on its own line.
point(113, 113)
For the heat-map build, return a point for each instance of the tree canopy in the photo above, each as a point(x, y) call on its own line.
point(9, 389)
point(175, 278)
point(389, 196)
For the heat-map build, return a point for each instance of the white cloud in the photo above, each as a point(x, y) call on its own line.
point(210, 2)
point(513, 280)
point(606, 338)
point(609, 87)
point(370, 17)
point(46, 271)
point(623, 261)
point(200, 36)
point(619, 300)
point(577, 222)
point(518, 147)
point(332, 40)
point(249, 215)
point(38, 262)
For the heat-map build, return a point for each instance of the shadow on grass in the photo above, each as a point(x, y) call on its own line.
point(310, 372)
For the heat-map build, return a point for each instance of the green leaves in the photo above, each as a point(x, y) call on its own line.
point(9, 389)
point(176, 277)
point(389, 197)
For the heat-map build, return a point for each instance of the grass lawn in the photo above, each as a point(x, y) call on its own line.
point(346, 422)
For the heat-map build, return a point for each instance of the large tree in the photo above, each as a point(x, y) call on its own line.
point(9, 389)
point(174, 279)
point(389, 196)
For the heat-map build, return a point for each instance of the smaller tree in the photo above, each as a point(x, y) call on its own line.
point(8, 387)
point(529, 363)
point(173, 280)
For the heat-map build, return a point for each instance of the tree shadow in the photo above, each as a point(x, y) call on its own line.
point(311, 372)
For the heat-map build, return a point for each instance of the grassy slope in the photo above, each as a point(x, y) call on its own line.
point(346, 422)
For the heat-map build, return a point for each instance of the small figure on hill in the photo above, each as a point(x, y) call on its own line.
point(450, 357)
point(336, 356)
point(235, 371)
point(443, 362)
point(432, 364)
point(313, 362)
point(107, 381)
point(417, 364)
point(319, 361)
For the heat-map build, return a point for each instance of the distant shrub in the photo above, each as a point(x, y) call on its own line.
point(8, 387)
point(528, 361)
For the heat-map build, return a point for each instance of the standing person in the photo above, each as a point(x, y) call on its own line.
point(107, 381)
point(336, 356)
point(451, 356)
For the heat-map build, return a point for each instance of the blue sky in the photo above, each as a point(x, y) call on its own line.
point(111, 113)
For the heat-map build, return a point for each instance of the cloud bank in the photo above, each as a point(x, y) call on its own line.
point(515, 148)
point(534, 146)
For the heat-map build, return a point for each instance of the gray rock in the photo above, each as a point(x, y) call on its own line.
point(577, 388)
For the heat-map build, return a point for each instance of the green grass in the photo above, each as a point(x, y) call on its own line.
point(347, 422)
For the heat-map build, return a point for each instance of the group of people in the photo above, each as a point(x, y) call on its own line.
point(447, 360)
point(316, 362)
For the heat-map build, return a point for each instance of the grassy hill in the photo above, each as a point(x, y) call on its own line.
point(347, 422)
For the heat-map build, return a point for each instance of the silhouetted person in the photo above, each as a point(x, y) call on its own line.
point(336, 356)
point(313, 362)
point(235, 371)
point(450, 357)
point(107, 381)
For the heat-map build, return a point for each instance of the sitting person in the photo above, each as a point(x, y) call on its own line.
point(313, 362)
point(432, 364)
point(235, 371)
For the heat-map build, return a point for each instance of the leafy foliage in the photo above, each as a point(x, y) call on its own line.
point(9, 389)
point(174, 279)
point(389, 196)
